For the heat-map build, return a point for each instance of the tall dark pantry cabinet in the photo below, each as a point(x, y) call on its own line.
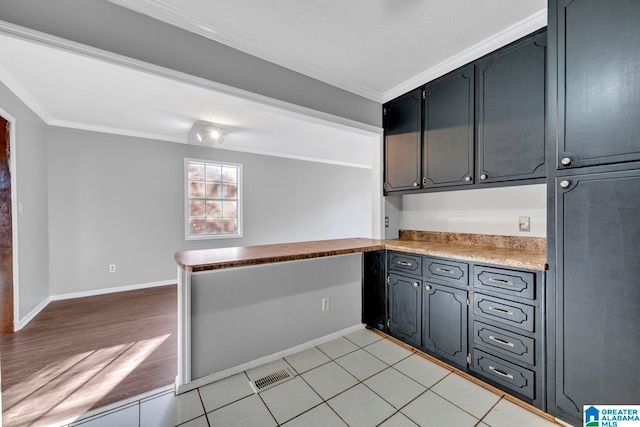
point(594, 205)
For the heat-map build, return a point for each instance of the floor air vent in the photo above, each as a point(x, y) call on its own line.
point(272, 380)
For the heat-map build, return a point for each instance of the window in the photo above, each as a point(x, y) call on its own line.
point(213, 200)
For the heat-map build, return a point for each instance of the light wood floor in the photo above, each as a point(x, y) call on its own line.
point(84, 353)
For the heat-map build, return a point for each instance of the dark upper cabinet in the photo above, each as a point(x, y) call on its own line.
point(405, 309)
point(402, 127)
point(448, 130)
point(511, 112)
point(445, 322)
point(598, 81)
point(597, 295)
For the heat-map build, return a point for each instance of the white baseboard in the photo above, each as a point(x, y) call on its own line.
point(266, 359)
point(113, 290)
point(33, 313)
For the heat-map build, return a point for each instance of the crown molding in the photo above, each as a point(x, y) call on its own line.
point(115, 131)
point(252, 150)
point(488, 45)
point(178, 18)
point(18, 90)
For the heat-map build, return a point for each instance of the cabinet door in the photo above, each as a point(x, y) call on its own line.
point(598, 82)
point(445, 322)
point(511, 112)
point(597, 290)
point(402, 142)
point(374, 295)
point(405, 309)
point(448, 130)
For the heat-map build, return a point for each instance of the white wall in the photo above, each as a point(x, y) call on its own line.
point(107, 26)
point(119, 200)
point(483, 211)
point(31, 181)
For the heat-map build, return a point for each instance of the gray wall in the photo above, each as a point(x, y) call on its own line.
point(101, 24)
point(242, 314)
point(33, 232)
point(120, 200)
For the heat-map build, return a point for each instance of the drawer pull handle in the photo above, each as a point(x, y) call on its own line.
point(499, 310)
point(405, 263)
point(499, 372)
point(498, 340)
point(506, 282)
point(444, 270)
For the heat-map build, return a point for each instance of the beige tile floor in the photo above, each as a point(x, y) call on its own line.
point(360, 380)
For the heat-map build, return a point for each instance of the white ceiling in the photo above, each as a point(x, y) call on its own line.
point(375, 48)
point(69, 89)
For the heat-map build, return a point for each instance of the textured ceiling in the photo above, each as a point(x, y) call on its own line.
point(73, 90)
point(371, 47)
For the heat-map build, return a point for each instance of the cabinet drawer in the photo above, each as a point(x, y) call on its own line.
point(405, 262)
point(511, 282)
point(507, 312)
point(512, 376)
point(449, 271)
point(504, 342)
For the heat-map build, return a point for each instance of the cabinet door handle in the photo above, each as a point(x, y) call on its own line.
point(444, 270)
point(506, 282)
point(498, 340)
point(416, 285)
point(499, 372)
point(405, 263)
point(428, 287)
point(499, 310)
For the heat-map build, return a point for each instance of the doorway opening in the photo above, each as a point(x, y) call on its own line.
point(6, 232)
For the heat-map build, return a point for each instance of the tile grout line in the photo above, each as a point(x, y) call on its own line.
point(496, 404)
point(203, 408)
point(349, 388)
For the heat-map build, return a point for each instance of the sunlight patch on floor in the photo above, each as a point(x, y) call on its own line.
point(68, 383)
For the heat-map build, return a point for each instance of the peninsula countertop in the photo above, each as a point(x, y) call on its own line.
point(519, 252)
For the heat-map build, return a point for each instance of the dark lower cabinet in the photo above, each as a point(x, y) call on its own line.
point(374, 290)
point(598, 83)
point(402, 142)
point(432, 304)
point(510, 112)
point(448, 130)
point(445, 322)
point(405, 308)
point(597, 299)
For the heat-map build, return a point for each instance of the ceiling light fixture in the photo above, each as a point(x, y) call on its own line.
point(210, 132)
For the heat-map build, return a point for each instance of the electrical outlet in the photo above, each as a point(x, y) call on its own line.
point(524, 223)
point(325, 304)
point(386, 222)
point(112, 268)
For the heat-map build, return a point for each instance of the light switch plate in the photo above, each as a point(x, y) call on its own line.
point(524, 223)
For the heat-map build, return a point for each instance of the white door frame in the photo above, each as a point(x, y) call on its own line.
point(14, 214)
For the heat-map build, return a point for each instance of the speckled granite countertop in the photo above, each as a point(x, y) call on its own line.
point(512, 251)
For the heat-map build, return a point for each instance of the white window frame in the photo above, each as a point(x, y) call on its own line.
point(237, 235)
